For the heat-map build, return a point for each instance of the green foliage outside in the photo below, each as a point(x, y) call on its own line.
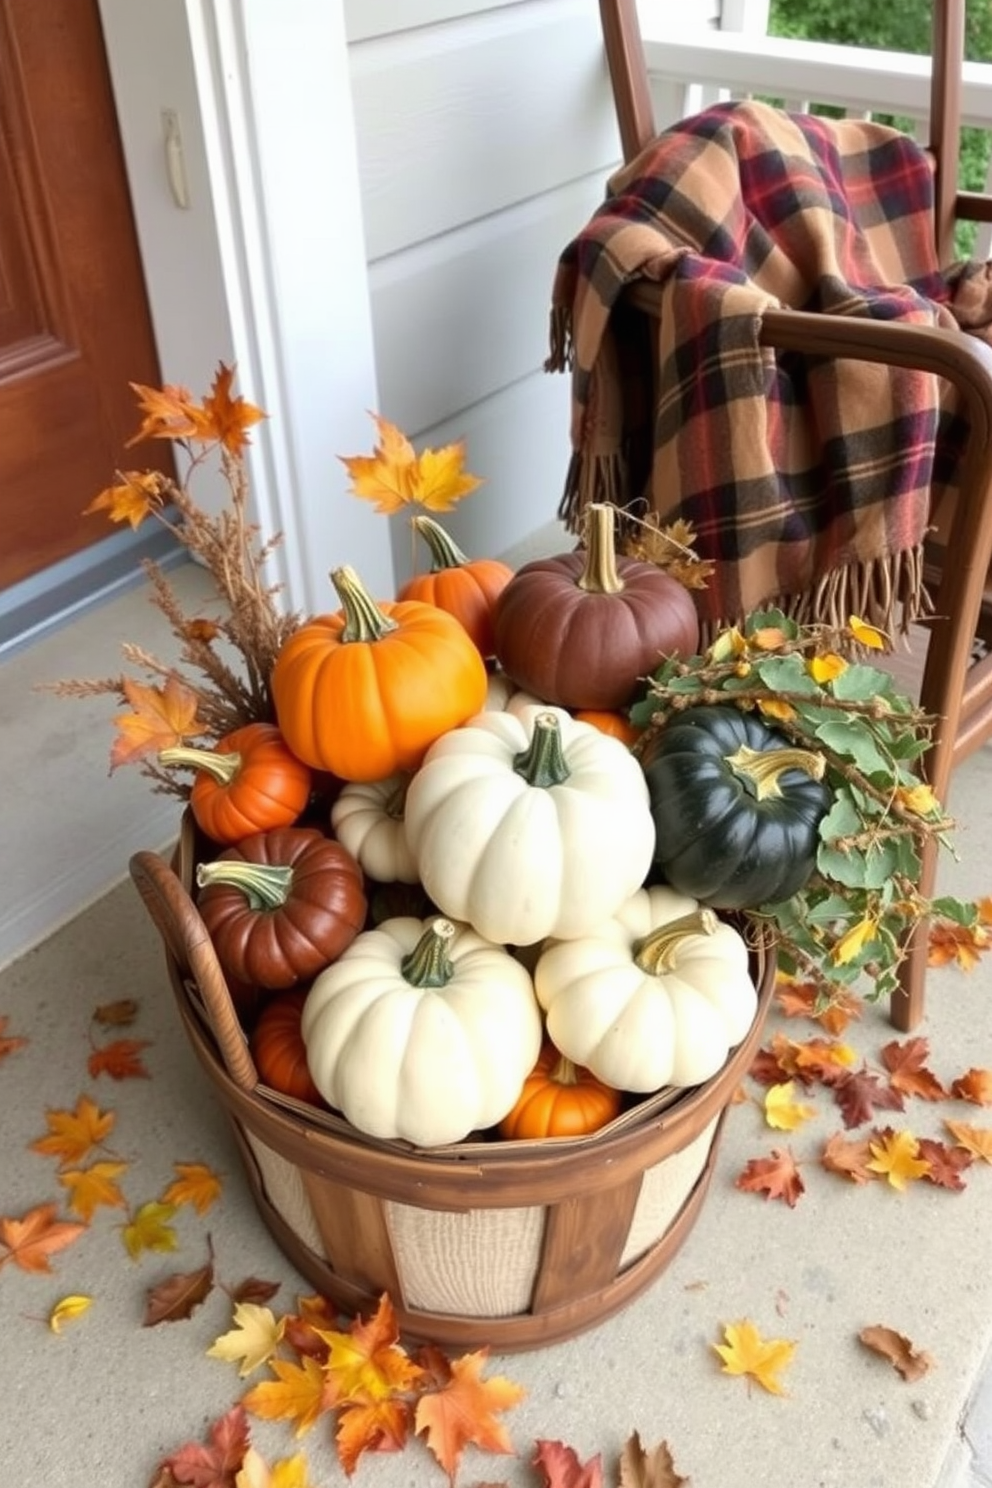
point(904, 27)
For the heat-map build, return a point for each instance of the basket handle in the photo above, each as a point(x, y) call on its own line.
point(188, 940)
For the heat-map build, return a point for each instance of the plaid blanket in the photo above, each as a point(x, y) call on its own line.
point(808, 482)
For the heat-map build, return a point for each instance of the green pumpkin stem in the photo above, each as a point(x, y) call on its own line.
point(445, 552)
point(600, 574)
point(658, 951)
point(759, 769)
point(264, 885)
point(428, 964)
point(363, 619)
point(543, 762)
point(394, 805)
point(223, 767)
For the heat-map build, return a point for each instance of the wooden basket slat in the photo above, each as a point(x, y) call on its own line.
point(584, 1239)
point(355, 1234)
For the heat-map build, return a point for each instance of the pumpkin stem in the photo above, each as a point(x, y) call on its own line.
point(445, 552)
point(564, 1071)
point(265, 885)
point(759, 769)
point(427, 965)
point(394, 805)
point(543, 762)
point(363, 619)
point(223, 767)
point(600, 575)
point(658, 951)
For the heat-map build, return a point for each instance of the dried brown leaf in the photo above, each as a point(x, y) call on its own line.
point(905, 1358)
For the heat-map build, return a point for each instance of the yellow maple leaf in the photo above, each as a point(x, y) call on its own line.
point(868, 635)
point(441, 479)
point(73, 1134)
point(90, 1187)
point(299, 1393)
point(394, 475)
point(974, 1139)
point(67, 1311)
point(897, 1157)
point(136, 494)
point(747, 1353)
point(782, 1111)
point(367, 1363)
point(149, 1229)
point(163, 717)
point(826, 667)
point(252, 1341)
point(289, 1472)
point(195, 1184)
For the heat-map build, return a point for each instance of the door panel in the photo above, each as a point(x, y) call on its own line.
point(74, 323)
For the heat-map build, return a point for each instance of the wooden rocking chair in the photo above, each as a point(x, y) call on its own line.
point(950, 683)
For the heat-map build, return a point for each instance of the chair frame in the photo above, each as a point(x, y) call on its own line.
point(953, 688)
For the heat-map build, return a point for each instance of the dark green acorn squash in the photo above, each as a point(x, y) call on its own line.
point(736, 808)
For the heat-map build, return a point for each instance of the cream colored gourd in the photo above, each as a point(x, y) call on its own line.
point(529, 824)
point(504, 696)
point(658, 995)
point(367, 819)
point(422, 1031)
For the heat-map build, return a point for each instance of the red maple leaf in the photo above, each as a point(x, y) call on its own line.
point(777, 1177)
point(121, 1060)
point(946, 1163)
point(861, 1094)
point(216, 1464)
point(906, 1065)
point(561, 1468)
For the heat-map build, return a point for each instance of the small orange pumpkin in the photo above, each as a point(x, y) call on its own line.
point(467, 588)
point(249, 782)
point(278, 1049)
point(617, 725)
point(364, 693)
point(560, 1099)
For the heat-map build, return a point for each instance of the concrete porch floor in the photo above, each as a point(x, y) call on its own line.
point(103, 1401)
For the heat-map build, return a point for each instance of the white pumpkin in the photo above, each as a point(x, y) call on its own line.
point(658, 995)
point(422, 1030)
point(504, 696)
point(529, 824)
point(367, 819)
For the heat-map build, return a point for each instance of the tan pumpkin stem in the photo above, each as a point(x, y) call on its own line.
point(658, 951)
point(543, 762)
point(265, 885)
point(394, 805)
point(363, 619)
point(600, 574)
point(564, 1072)
point(759, 769)
point(445, 552)
point(223, 767)
point(428, 964)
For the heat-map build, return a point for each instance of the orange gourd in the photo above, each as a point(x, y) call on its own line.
point(560, 1099)
point(617, 725)
point(467, 588)
point(250, 781)
point(278, 1049)
point(364, 692)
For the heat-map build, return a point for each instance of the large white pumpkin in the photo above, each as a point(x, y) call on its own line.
point(658, 995)
point(529, 824)
point(422, 1030)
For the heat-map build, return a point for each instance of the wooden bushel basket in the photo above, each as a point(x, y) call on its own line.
point(508, 1244)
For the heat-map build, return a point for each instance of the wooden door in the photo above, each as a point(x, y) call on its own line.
point(74, 322)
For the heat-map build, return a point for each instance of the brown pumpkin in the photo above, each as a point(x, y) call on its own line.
point(467, 588)
point(281, 905)
point(581, 629)
point(278, 1049)
point(560, 1099)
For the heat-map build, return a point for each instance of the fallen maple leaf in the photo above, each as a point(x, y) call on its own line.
point(975, 1086)
point(33, 1239)
point(896, 1155)
point(372, 1426)
point(120, 1059)
point(195, 1184)
point(907, 1360)
point(908, 1074)
point(827, 1060)
point(777, 1177)
point(782, 1111)
point(747, 1353)
point(290, 1472)
point(300, 1393)
point(149, 1229)
point(945, 1164)
point(950, 943)
point(654, 1469)
point(162, 717)
point(118, 1014)
point(73, 1134)
point(9, 1043)
point(849, 1159)
point(176, 1298)
point(214, 1464)
point(366, 1362)
point(67, 1311)
point(560, 1467)
point(805, 999)
point(861, 1093)
point(91, 1187)
point(252, 1341)
point(974, 1139)
point(464, 1412)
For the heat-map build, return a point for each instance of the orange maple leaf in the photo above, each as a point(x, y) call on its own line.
point(73, 1134)
point(849, 1159)
point(984, 908)
point(300, 1393)
point(907, 1070)
point(169, 413)
point(463, 1412)
point(379, 1426)
point(366, 1363)
point(223, 418)
point(32, 1240)
point(195, 1184)
point(9, 1043)
point(974, 1139)
point(777, 1177)
point(134, 497)
point(961, 945)
point(803, 999)
point(394, 475)
point(90, 1187)
point(975, 1086)
point(120, 1059)
point(163, 717)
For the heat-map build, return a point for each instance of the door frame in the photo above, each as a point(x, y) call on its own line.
point(266, 265)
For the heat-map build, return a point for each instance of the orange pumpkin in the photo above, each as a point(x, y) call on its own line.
point(278, 1049)
point(560, 1099)
point(364, 693)
point(249, 782)
point(467, 588)
point(617, 725)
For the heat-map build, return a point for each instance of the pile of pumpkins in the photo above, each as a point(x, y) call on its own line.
point(559, 962)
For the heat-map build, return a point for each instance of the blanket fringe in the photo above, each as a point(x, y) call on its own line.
point(590, 478)
point(561, 350)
